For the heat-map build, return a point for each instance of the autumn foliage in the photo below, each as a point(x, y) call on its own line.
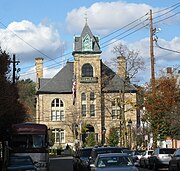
point(161, 108)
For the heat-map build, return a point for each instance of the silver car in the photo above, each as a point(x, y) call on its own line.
point(113, 162)
point(160, 158)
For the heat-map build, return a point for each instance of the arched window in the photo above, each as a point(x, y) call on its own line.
point(87, 70)
point(57, 110)
point(83, 97)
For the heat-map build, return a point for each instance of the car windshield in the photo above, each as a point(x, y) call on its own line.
point(166, 151)
point(114, 161)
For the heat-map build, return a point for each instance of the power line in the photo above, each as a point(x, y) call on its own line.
point(170, 50)
point(177, 4)
point(28, 43)
point(106, 35)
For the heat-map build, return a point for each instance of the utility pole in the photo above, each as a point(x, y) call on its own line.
point(152, 54)
point(14, 62)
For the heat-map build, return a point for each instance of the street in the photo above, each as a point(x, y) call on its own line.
point(65, 164)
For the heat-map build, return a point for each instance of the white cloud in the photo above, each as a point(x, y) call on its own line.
point(163, 58)
point(104, 17)
point(47, 73)
point(27, 39)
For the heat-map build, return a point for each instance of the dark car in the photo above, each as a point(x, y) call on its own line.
point(101, 150)
point(144, 160)
point(20, 163)
point(160, 158)
point(132, 154)
point(80, 159)
point(174, 163)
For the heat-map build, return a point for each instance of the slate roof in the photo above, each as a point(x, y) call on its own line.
point(117, 84)
point(61, 83)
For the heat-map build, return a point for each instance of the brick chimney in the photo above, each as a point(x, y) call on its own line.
point(39, 69)
point(122, 66)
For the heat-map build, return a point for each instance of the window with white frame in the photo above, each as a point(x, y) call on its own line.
point(57, 110)
point(92, 104)
point(116, 108)
point(59, 135)
point(83, 104)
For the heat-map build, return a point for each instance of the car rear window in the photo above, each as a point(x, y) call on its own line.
point(108, 150)
point(85, 153)
point(166, 151)
point(150, 152)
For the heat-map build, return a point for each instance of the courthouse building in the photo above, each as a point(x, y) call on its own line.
point(85, 96)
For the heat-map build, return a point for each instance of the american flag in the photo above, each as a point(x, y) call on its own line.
point(74, 89)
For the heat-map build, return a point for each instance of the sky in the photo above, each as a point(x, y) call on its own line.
point(44, 28)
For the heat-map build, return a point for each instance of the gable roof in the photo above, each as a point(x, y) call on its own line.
point(62, 82)
point(117, 84)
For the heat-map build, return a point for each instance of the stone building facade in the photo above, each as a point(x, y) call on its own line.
point(85, 96)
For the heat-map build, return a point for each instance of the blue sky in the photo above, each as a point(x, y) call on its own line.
point(46, 28)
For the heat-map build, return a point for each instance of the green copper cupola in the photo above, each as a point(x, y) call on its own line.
point(86, 42)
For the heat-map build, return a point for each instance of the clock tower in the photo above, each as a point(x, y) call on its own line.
point(87, 69)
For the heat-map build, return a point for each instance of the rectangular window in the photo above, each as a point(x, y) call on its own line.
point(57, 139)
point(62, 115)
point(62, 139)
point(53, 116)
point(113, 103)
point(118, 113)
point(57, 115)
point(92, 110)
point(113, 114)
point(83, 110)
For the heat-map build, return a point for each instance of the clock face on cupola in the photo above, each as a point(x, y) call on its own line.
point(87, 43)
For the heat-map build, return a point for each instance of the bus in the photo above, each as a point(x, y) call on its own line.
point(31, 139)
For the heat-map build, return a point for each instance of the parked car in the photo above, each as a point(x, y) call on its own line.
point(132, 154)
point(144, 160)
point(160, 158)
point(174, 163)
point(80, 159)
point(138, 153)
point(101, 150)
point(20, 163)
point(113, 162)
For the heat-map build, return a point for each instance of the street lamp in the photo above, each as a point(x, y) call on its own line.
point(129, 126)
point(103, 135)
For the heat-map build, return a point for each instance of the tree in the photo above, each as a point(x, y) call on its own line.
point(128, 63)
point(11, 110)
point(161, 109)
point(113, 138)
point(26, 91)
point(90, 140)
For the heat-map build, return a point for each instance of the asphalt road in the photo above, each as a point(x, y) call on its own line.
point(66, 164)
point(61, 164)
